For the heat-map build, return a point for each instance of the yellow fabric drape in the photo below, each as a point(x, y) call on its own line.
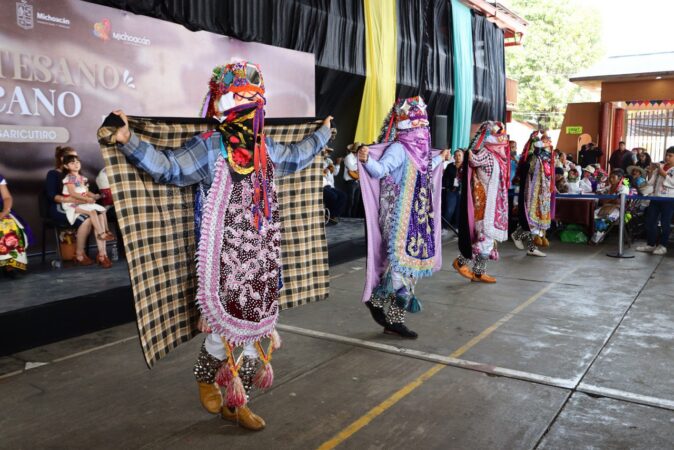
point(381, 63)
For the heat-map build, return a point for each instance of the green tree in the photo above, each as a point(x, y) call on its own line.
point(563, 38)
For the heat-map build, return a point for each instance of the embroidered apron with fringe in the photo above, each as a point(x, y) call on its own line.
point(239, 251)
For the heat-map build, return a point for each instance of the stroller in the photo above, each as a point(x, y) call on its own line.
point(635, 219)
point(608, 217)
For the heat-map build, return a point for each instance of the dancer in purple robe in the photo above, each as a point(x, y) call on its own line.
point(401, 182)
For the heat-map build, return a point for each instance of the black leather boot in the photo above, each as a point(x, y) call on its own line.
point(377, 313)
point(395, 323)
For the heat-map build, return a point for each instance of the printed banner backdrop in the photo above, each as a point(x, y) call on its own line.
point(66, 64)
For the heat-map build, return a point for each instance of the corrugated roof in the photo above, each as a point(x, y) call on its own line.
point(628, 66)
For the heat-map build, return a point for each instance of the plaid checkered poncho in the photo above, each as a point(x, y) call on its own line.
point(157, 223)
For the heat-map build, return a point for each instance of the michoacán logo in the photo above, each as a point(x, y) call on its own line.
point(102, 30)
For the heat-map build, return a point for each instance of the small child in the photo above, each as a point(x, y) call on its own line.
point(76, 186)
point(609, 211)
point(638, 180)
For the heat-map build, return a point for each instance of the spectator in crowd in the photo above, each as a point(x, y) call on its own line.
point(573, 181)
point(13, 235)
point(661, 177)
point(561, 186)
point(55, 198)
point(600, 177)
point(562, 161)
point(589, 154)
point(637, 178)
point(618, 155)
point(609, 210)
point(451, 187)
point(630, 159)
point(351, 181)
point(588, 184)
point(513, 161)
point(643, 159)
point(106, 197)
point(334, 199)
point(76, 186)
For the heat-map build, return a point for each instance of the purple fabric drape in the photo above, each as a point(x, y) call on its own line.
point(416, 143)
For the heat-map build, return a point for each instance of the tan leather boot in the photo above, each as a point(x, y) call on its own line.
point(210, 396)
point(484, 278)
point(464, 271)
point(244, 417)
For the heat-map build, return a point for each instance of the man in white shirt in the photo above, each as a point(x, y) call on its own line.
point(351, 182)
point(334, 199)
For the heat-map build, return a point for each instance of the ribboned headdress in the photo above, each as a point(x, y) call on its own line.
point(407, 113)
point(230, 79)
point(489, 132)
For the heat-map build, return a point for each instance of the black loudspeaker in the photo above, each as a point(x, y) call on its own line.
point(439, 138)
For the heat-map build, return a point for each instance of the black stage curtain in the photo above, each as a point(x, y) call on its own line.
point(335, 33)
point(489, 79)
point(425, 54)
point(249, 20)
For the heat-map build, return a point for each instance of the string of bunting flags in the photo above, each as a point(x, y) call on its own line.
point(650, 103)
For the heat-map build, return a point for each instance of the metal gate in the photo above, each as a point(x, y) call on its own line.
point(651, 129)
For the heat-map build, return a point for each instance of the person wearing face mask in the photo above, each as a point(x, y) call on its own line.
point(484, 198)
point(537, 185)
point(238, 232)
point(401, 182)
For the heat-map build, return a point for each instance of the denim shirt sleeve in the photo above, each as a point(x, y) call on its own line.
point(293, 157)
point(184, 166)
point(392, 159)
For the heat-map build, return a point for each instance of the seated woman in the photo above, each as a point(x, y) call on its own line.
point(13, 234)
point(55, 198)
point(609, 210)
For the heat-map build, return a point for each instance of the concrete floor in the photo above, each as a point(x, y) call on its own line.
point(572, 351)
